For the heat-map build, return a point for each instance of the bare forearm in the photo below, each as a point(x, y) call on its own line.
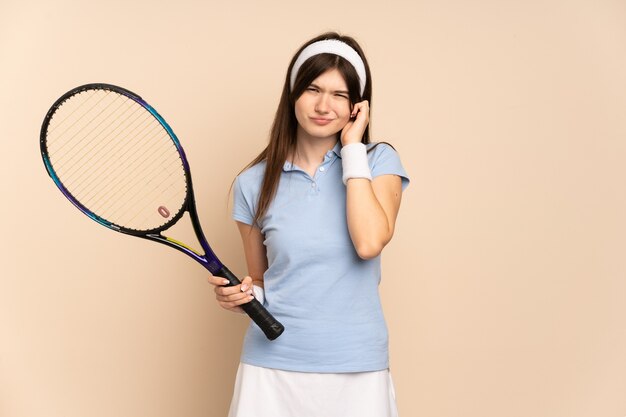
point(368, 223)
point(256, 257)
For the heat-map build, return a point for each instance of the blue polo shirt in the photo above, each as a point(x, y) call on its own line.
point(316, 285)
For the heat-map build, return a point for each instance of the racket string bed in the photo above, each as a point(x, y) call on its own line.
point(90, 152)
point(116, 156)
point(101, 146)
point(123, 184)
point(80, 132)
point(110, 163)
point(52, 129)
point(159, 199)
point(83, 155)
point(116, 164)
point(155, 192)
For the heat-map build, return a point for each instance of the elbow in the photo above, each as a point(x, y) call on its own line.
point(369, 247)
point(368, 251)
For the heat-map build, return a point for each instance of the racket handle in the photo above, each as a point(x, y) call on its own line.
point(259, 314)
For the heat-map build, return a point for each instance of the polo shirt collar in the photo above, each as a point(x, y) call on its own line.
point(337, 149)
point(288, 166)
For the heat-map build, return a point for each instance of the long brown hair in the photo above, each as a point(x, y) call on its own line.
point(282, 138)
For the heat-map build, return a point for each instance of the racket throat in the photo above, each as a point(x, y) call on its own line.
point(209, 260)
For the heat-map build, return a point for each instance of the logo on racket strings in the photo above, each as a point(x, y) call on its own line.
point(163, 211)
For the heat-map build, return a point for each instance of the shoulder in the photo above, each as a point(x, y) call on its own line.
point(384, 160)
point(246, 189)
point(253, 172)
point(251, 176)
point(381, 150)
point(247, 184)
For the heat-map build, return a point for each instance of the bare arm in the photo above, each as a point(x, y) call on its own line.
point(255, 252)
point(372, 208)
point(230, 298)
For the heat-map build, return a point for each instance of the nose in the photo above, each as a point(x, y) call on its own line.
point(321, 106)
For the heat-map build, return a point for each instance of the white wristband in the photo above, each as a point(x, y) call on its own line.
point(259, 293)
point(354, 162)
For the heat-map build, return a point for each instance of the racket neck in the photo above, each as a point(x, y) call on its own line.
point(211, 261)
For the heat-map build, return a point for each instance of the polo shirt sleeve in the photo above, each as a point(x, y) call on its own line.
point(243, 206)
point(384, 160)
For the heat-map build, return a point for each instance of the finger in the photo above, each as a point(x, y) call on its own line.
point(217, 280)
point(360, 108)
point(234, 297)
point(246, 283)
point(230, 303)
point(226, 291)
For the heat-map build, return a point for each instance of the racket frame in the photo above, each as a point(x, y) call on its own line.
point(270, 326)
point(209, 260)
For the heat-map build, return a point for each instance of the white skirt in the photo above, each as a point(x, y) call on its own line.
point(264, 392)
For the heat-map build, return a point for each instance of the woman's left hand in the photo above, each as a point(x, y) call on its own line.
point(359, 118)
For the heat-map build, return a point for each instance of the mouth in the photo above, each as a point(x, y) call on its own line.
point(320, 121)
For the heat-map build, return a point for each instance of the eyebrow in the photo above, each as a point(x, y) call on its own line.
point(336, 91)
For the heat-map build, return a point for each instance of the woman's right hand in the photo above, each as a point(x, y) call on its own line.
point(230, 298)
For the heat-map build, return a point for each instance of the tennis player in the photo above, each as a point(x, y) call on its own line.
point(315, 209)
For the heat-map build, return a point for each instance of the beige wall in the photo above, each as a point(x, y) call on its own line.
point(504, 286)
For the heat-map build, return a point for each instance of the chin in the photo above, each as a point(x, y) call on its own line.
point(331, 135)
point(325, 131)
point(322, 133)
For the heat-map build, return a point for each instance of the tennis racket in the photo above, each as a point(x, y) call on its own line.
point(117, 160)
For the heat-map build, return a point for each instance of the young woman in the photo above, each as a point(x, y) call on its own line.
point(315, 209)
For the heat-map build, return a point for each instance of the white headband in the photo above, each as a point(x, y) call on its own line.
point(335, 47)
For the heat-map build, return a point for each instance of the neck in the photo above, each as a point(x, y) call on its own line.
point(310, 151)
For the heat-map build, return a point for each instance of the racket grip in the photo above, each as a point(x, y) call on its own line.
point(259, 314)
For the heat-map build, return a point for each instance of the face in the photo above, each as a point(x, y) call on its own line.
point(323, 109)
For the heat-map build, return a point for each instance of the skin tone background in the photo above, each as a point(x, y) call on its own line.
point(503, 287)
